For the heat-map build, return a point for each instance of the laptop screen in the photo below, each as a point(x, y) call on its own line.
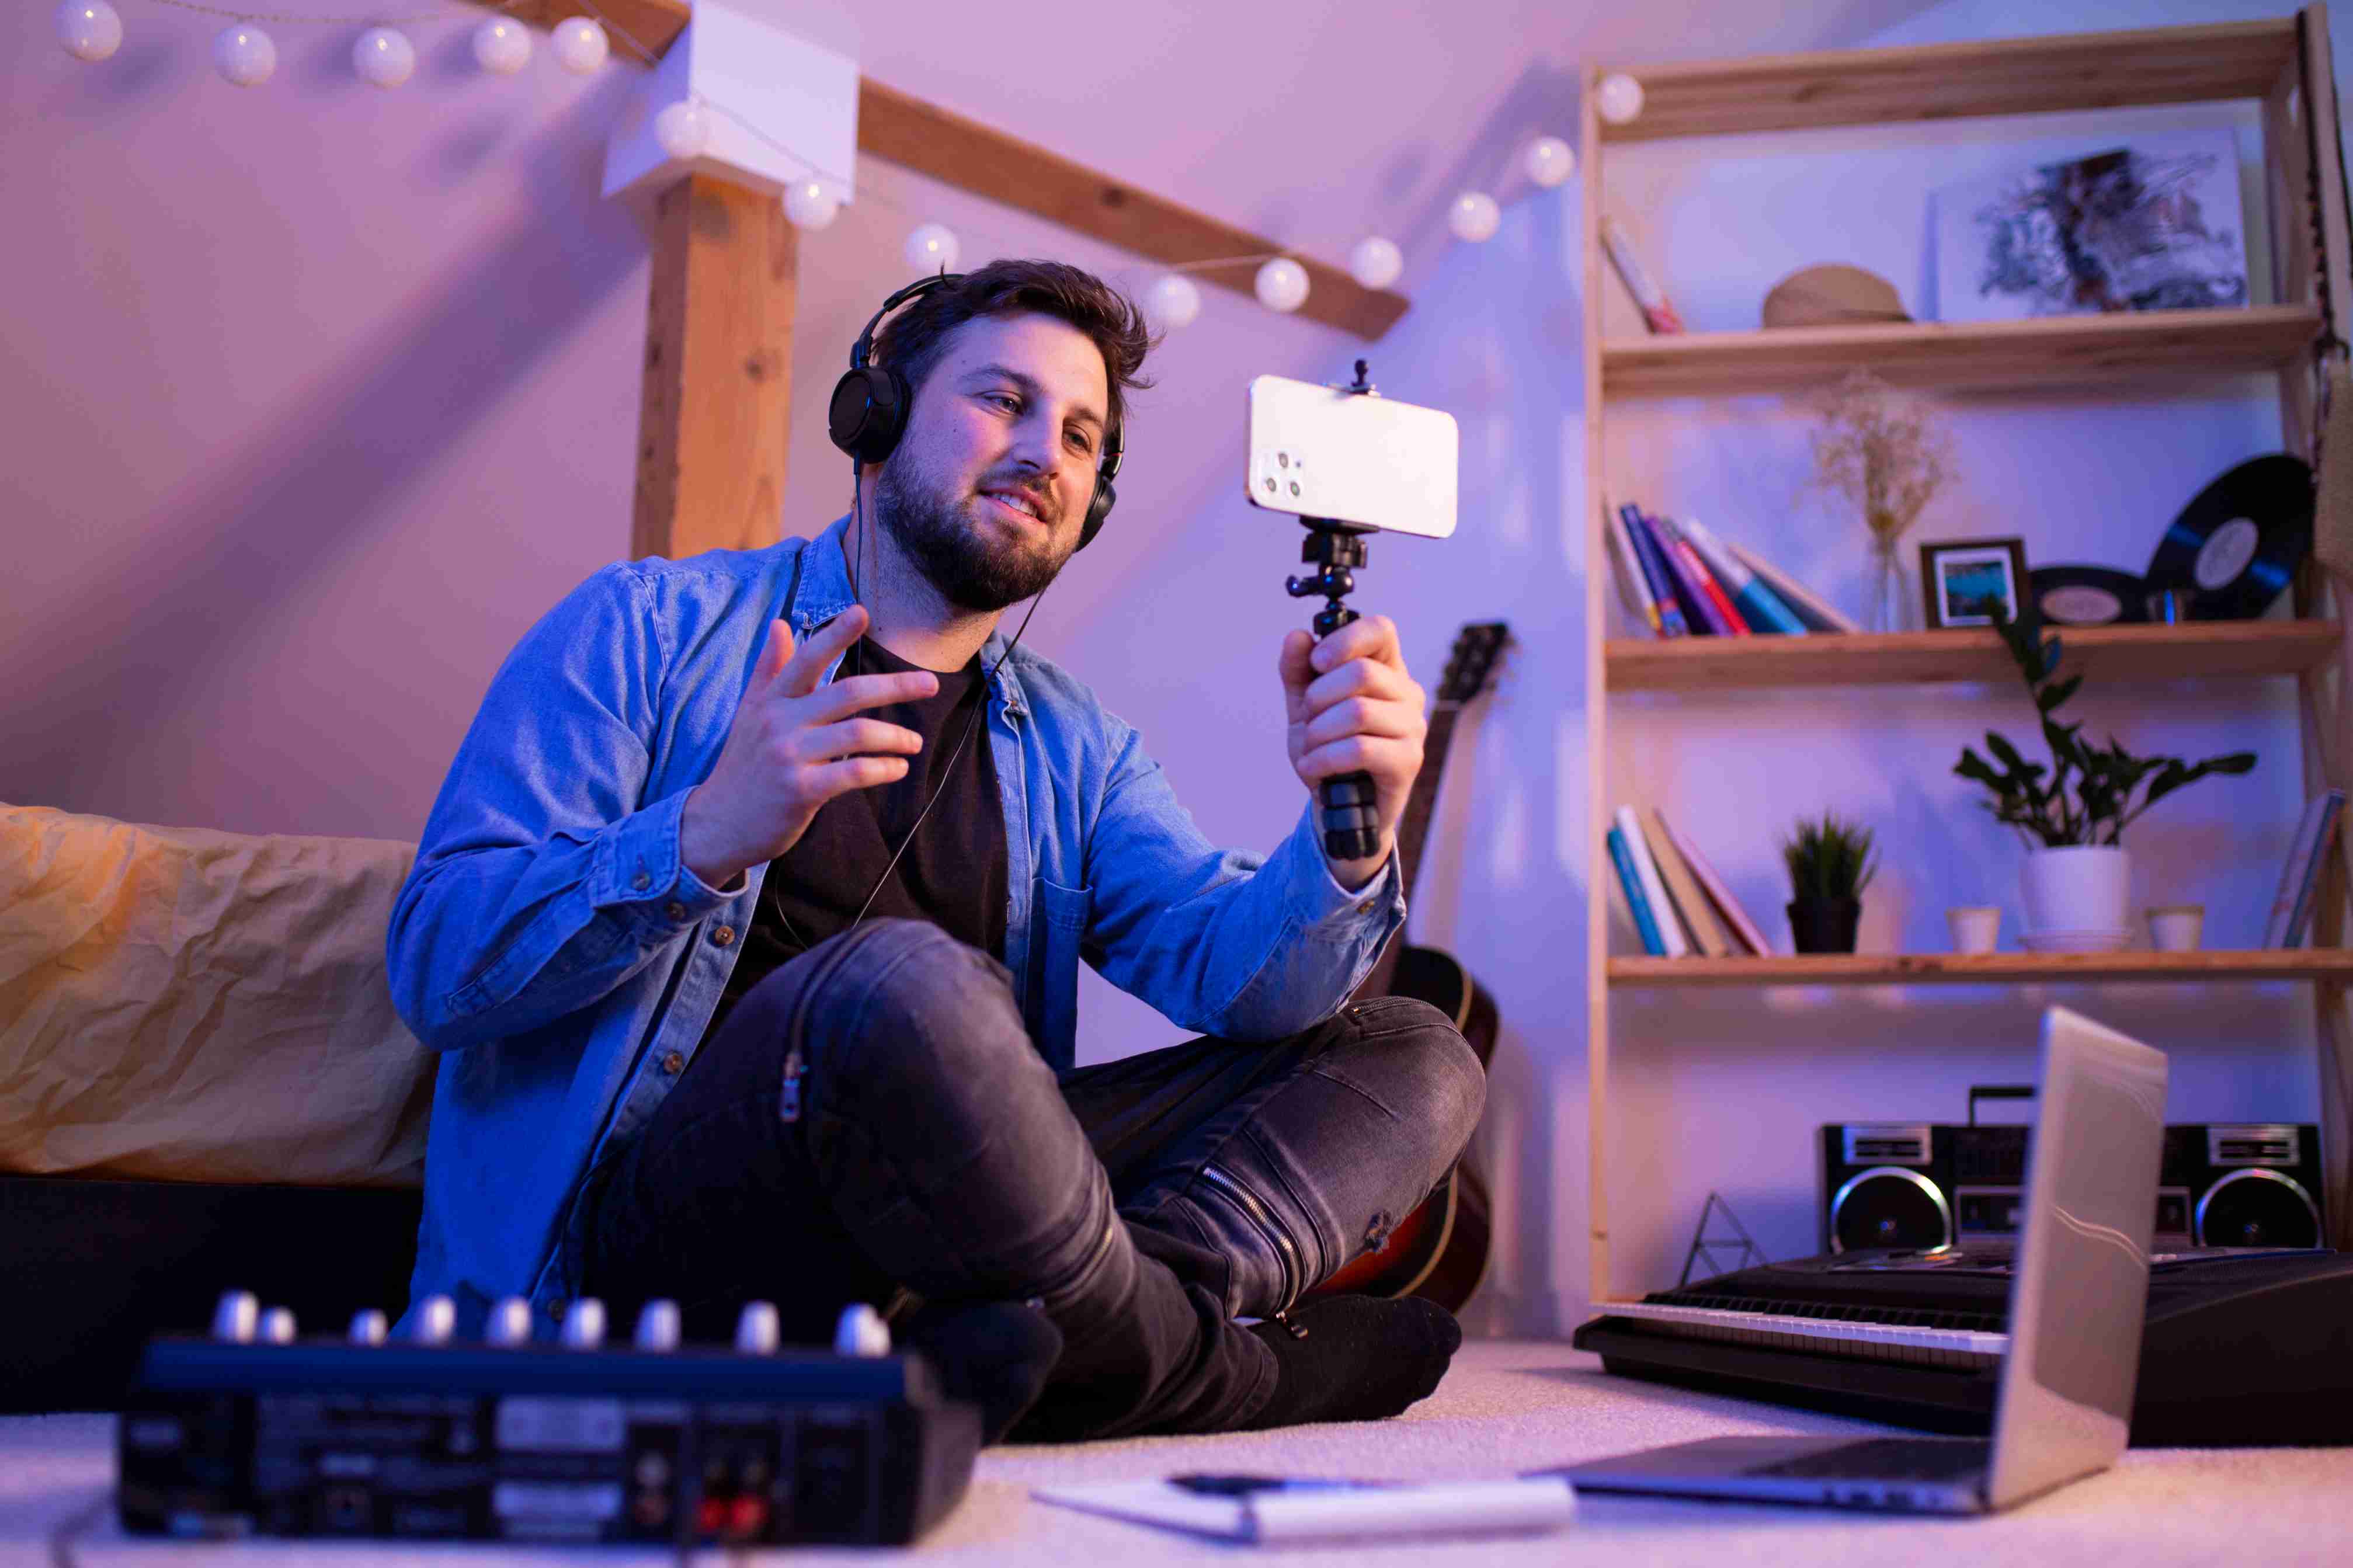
point(2081, 1287)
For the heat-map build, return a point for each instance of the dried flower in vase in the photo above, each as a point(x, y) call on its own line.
point(1890, 459)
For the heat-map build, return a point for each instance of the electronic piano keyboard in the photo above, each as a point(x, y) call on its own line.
point(2241, 1347)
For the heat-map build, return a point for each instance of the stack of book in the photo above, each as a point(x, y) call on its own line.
point(1680, 580)
point(1678, 902)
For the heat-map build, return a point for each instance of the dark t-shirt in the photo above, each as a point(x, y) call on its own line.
point(953, 875)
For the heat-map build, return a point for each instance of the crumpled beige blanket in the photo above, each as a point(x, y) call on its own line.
point(189, 1005)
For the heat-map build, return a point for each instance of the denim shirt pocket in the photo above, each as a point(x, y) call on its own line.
point(1060, 926)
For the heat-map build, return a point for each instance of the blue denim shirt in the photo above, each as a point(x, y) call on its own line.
point(551, 944)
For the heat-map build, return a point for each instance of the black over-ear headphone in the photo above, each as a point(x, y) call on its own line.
point(869, 411)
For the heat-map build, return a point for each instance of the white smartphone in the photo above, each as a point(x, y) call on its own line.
point(1354, 457)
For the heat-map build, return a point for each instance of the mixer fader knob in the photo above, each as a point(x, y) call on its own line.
point(237, 1316)
point(861, 1331)
point(510, 1322)
point(756, 1331)
point(277, 1326)
point(437, 1319)
point(369, 1326)
point(658, 1326)
point(584, 1324)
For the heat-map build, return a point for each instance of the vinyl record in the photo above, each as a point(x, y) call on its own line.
point(2237, 544)
point(2087, 595)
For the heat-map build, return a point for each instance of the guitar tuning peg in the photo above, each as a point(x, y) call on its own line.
point(277, 1326)
point(756, 1331)
point(369, 1326)
point(658, 1326)
point(510, 1322)
point(437, 1319)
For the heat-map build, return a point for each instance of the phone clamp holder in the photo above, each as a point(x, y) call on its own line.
point(1351, 815)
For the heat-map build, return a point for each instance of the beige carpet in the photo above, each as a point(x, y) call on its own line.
point(1505, 1407)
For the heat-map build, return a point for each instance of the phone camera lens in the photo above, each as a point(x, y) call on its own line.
point(1283, 459)
point(1294, 487)
point(1270, 484)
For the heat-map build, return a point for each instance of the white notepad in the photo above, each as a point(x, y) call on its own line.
point(1332, 1513)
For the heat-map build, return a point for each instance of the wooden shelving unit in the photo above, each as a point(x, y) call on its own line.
point(2058, 350)
point(2107, 654)
point(2284, 65)
point(1984, 968)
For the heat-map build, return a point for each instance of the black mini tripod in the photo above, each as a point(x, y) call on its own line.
point(1351, 818)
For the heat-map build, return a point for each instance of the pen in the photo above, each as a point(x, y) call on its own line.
point(1244, 1486)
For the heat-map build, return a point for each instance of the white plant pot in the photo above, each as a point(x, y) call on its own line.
point(2082, 889)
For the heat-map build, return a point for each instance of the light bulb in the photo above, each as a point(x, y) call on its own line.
point(244, 54)
point(1282, 284)
point(384, 57)
point(682, 129)
point(1376, 262)
point(580, 45)
point(89, 30)
point(1619, 99)
point(501, 45)
point(809, 205)
point(1549, 161)
point(931, 248)
point(1474, 216)
point(1172, 302)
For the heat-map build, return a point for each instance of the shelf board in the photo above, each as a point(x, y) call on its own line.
point(1900, 659)
point(1982, 969)
point(1957, 81)
point(2046, 350)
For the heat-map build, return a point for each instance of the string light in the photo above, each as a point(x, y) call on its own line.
point(1549, 161)
point(1281, 284)
point(1376, 262)
point(1474, 216)
point(501, 45)
point(580, 46)
point(89, 30)
point(384, 57)
point(244, 55)
point(1619, 99)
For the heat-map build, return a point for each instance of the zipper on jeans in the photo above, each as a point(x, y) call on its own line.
point(1286, 1251)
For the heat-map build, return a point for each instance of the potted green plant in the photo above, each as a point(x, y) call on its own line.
point(1830, 865)
point(2072, 812)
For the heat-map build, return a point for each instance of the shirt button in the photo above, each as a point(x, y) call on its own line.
point(673, 1064)
point(674, 910)
point(642, 881)
point(1365, 908)
point(724, 937)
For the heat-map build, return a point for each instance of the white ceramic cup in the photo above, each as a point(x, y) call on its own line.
point(1976, 927)
point(2177, 928)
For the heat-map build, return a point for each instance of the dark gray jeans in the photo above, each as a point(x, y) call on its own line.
point(1144, 1203)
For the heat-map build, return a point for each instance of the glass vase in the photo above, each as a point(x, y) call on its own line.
point(1887, 599)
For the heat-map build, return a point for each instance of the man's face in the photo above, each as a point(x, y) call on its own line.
point(987, 491)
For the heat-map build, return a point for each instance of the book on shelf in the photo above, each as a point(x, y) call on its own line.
point(1673, 622)
point(1759, 606)
point(1633, 586)
point(1655, 891)
point(1630, 885)
point(1818, 615)
point(1728, 907)
point(1715, 605)
point(1658, 313)
point(1689, 904)
point(2307, 856)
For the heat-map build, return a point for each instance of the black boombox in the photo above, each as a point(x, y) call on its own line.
point(1924, 1184)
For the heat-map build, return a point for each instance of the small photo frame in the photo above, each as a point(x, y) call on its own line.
point(1963, 581)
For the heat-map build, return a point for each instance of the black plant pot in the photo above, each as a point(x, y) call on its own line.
point(1824, 925)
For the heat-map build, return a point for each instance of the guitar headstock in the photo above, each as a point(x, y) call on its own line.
point(1470, 662)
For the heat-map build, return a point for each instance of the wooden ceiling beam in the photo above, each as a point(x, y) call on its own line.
point(903, 129)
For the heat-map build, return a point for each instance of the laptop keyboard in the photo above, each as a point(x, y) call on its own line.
point(1889, 1459)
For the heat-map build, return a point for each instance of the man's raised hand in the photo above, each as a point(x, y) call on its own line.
point(1351, 707)
point(794, 745)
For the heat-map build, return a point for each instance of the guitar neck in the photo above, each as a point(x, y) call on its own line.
point(1413, 828)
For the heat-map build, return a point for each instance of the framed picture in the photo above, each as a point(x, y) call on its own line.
point(1963, 581)
point(2153, 225)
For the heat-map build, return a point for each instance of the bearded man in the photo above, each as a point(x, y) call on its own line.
point(748, 925)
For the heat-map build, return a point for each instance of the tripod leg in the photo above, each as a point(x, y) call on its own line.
point(1351, 822)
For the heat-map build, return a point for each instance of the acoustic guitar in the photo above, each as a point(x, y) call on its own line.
point(1440, 1250)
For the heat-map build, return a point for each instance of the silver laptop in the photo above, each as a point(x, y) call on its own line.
point(2078, 1292)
